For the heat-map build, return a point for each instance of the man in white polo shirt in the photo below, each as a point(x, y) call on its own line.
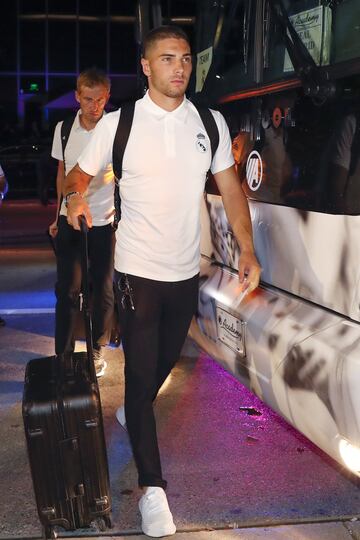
point(157, 252)
point(93, 90)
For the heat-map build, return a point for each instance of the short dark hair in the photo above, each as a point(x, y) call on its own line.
point(163, 32)
point(92, 77)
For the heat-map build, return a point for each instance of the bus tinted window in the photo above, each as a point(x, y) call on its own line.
point(312, 21)
point(307, 156)
point(296, 142)
point(347, 31)
point(329, 30)
point(226, 32)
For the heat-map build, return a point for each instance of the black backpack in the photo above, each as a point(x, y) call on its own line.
point(122, 136)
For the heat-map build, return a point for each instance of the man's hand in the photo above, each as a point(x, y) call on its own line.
point(77, 206)
point(237, 212)
point(77, 181)
point(53, 229)
point(249, 271)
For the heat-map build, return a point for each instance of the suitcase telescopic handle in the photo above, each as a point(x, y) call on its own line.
point(85, 297)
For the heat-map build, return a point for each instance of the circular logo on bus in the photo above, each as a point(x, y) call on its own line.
point(254, 170)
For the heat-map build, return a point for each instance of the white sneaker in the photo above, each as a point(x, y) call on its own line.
point(120, 416)
point(100, 362)
point(157, 519)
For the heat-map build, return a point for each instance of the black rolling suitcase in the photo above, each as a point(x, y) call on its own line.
point(65, 436)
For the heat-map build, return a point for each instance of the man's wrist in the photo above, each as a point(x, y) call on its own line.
point(247, 250)
point(68, 196)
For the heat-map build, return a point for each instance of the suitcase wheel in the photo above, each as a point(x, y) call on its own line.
point(49, 532)
point(103, 523)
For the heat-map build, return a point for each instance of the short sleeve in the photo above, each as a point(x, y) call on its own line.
point(56, 150)
point(97, 155)
point(223, 158)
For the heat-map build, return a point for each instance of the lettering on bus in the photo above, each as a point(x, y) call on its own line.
point(314, 29)
point(204, 59)
point(231, 330)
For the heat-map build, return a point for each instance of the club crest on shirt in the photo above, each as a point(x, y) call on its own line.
point(201, 143)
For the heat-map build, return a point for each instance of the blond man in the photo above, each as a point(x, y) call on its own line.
point(92, 94)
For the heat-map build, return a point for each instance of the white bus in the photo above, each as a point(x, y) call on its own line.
point(286, 75)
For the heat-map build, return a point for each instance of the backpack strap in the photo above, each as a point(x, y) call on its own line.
point(65, 133)
point(355, 146)
point(120, 141)
point(210, 127)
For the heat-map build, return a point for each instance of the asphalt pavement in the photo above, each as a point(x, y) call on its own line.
point(25, 222)
point(235, 468)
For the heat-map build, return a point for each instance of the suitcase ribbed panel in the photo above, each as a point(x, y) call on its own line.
point(66, 444)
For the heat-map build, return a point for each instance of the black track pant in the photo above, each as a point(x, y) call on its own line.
point(153, 335)
point(101, 269)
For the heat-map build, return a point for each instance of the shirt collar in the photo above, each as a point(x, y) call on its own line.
point(77, 125)
point(180, 113)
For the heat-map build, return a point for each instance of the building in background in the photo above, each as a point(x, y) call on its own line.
point(44, 44)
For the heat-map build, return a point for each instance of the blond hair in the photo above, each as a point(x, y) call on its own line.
point(92, 77)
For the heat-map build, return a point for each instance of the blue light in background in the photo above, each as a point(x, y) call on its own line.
point(27, 300)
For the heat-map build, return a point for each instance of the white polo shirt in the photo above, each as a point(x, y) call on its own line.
point(164, 172)
point(100, 194)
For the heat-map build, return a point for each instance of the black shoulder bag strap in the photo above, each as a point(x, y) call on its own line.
point(354, 156)
point(210, 127)
point(120, 142)
point(355, 146)
point(65, 134)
